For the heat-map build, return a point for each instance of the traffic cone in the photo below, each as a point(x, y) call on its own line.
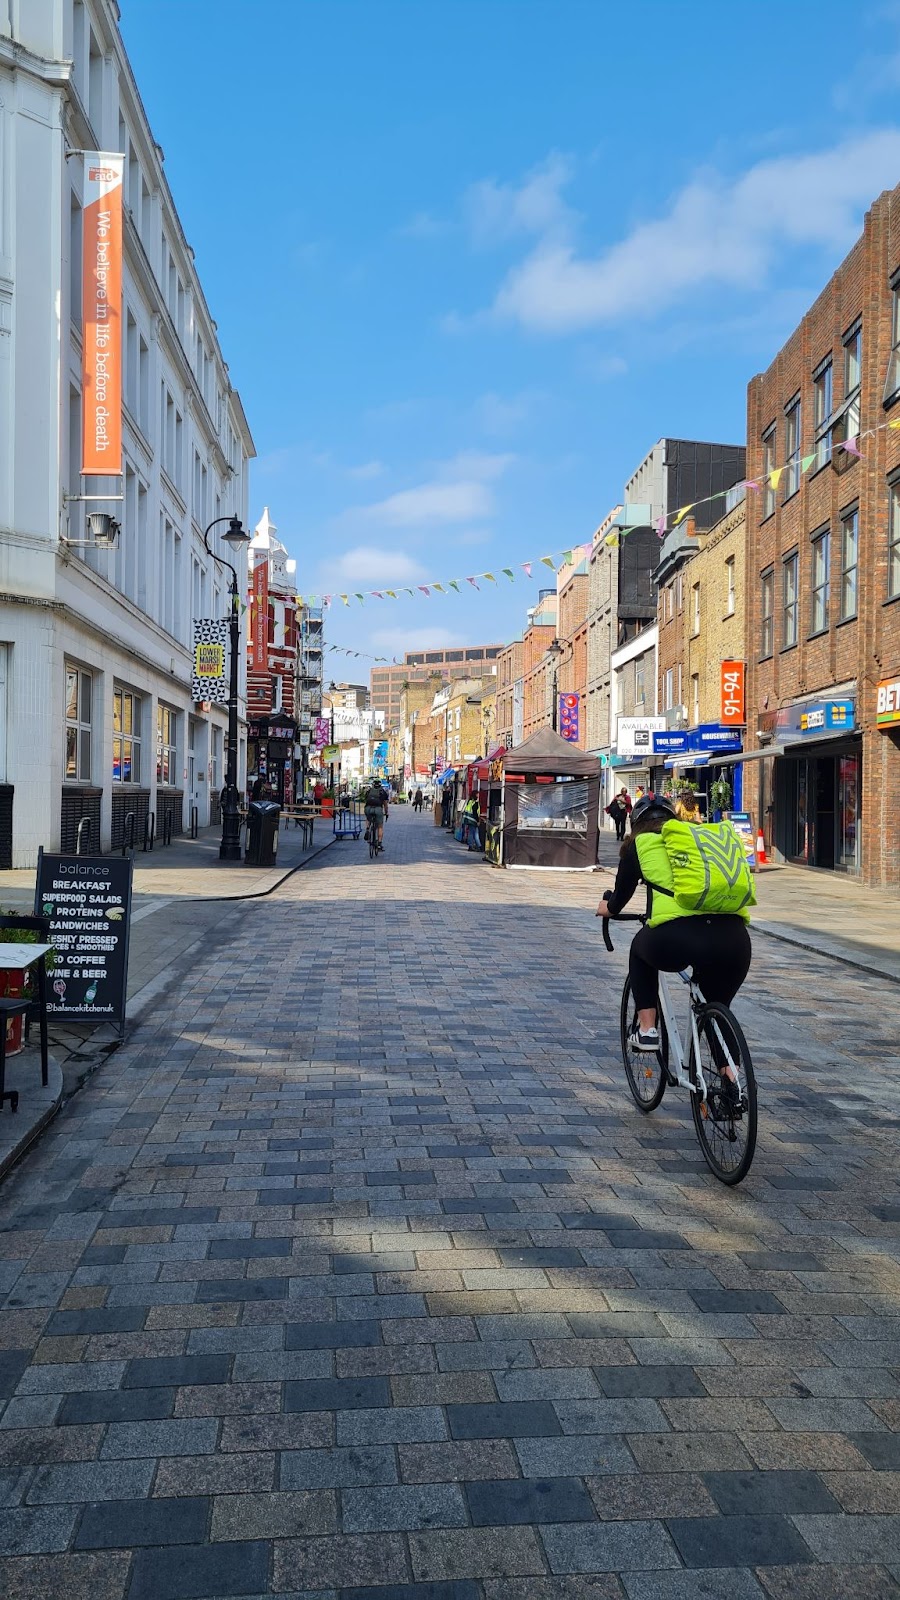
point(762, 859)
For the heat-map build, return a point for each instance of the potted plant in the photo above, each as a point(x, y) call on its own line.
point(17, 983)
point(719, 797)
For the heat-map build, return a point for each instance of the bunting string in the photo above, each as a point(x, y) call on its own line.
point(560, 559)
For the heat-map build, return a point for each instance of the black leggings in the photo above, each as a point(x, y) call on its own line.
point(717, 948)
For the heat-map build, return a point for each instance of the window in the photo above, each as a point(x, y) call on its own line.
point(670, 602)
point(767, 610)
point(852, 377)
point(768, 444)
point(639, 682)
point(790, 574)
point(894, 545)
point(892, 381)
point(821, 564)
point(695, 609)
point(695, 699)
point(823, 406)
point(849, 562)
point(792, 439)
point(669, 688)
point(127, 716)
point(729, 579)
point(79, 708)
point(679, 593)
point(166, 745)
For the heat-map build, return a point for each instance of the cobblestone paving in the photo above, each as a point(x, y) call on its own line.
point(357, 1273)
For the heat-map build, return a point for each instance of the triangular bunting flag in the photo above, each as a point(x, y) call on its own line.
point(490, 577)
point(661, 528)
point(423, 589)
point(548, 561)
point(439, 587)
point(612, 539)
point(526, 568)
point(392, 593)
point(377, 595)
point(345, 599)
point(807, 461)
point(359, 597)
point(775, 477)
point(851, 446)
point(472, 582)
point(680, 515)
point(454, 584)
point(508, 573)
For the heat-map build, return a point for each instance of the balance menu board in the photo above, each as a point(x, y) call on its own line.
point(88, 902)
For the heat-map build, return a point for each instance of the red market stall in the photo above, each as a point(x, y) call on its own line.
point(550, 804)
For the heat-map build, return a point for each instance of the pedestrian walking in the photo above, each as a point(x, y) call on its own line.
point(614, 811)
point(625, 798)
point(417, 800)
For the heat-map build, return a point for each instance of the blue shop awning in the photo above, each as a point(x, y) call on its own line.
point(686, 761)
point(445, 777)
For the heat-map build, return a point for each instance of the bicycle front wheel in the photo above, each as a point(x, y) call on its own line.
point(646, 1074)
point(725, 1123)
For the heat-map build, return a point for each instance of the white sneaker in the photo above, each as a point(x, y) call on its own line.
point(646, 1039)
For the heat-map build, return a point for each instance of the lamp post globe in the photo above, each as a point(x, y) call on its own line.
point(237, 538)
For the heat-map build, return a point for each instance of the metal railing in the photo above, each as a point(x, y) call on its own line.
point(128, 836)
point(84, 823)
point(195, 822)
point(149, 830)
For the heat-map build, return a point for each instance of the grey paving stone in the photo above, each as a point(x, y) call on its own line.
point(462, 1590)
point(214, 1289)
point(475, 1553)
point(769, 1493)
point(574, 1457)
point(425, 1505)
point(825, 1416)
point(746, 1301)
point(610, 1416)
point(117, 1405)
point(393, 1425)
point(744, 1541)
point(123, 1524)
point(31, 1411)
point(457, 1461)
point(501, 1502)
point(338, 1335)
point(352, 1560)
point(498, 1355)
point(336, 1394)
point(174, 1371)
point(608, 1547)
point(737, 1583)
point(652, 1383)
point(514, 1420)
point(33, 1530)
point(124, 1319)
point(188, 1572)
point(348, 1468)
point(178, 1436)
point(852, 1539)
point(548, 1383)
point(881, 1450)
point(274, 1515)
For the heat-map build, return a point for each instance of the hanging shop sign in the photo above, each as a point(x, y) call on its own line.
point(88, 902)
point(710, 739)
point(259, 613)
point(887, 712)
point(208, 681)
point(732, 711)
point(569, 708)
point(634, 735)
point(101, 311)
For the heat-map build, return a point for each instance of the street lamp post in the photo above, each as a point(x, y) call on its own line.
point(555, 651)
point(230, 848)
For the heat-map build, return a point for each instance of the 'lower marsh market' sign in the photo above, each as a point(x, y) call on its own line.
point(88, 902)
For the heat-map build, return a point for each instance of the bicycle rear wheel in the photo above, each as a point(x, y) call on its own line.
point(726, 1130)
point(646, 1074)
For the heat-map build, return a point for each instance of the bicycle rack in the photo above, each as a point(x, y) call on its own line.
point(149, 830)
point(84, 823)
point(167, 826)
point(195, 822)
point(128, 839)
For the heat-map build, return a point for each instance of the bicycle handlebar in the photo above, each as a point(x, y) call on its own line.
point(631, 916)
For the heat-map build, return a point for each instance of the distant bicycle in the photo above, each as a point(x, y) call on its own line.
point(371, 838)
point(717, 1073)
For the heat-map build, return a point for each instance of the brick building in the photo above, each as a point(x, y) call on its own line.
point(572, 600)
point(823, 565)
point(509, 718)
point(537, 671)
point(272, 678)
point(420, 666)
point(459, 729)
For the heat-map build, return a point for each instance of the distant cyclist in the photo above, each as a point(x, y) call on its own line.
point(717, 946)
point(376, 807)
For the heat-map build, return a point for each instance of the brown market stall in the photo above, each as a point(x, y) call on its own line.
point(550, 805)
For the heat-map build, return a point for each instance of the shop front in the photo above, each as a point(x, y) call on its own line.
point(270, 755)
point(693, 758)
point(817, 785)
point(631, 766)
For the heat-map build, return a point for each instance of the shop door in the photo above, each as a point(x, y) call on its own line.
point(822, 785)
point(849, 790)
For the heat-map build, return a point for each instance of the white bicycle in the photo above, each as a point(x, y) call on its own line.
point(717, 1072)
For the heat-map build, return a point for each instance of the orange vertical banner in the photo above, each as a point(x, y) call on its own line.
point(733, 709)
point(259, 616)
point(101, 366)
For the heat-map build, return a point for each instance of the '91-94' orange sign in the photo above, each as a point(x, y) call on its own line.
point(732, 707)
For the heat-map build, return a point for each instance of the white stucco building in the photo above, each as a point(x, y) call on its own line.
point(96, 715)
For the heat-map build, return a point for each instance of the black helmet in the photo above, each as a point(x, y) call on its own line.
point(651, 802)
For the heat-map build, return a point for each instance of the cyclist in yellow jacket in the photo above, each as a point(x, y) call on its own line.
point(717, 947)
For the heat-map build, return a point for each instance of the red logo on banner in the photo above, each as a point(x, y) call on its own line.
point(569, 708)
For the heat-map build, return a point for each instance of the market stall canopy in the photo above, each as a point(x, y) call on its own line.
point(482, 769)
point(546, 752)
point(444, 777)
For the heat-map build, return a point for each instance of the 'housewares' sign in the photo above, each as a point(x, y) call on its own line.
point(887, 712)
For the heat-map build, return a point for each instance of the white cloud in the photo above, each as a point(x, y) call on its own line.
point(458, 492)
point(497, 211)
point(717, 231)
point(424, 225)
point(366, 469)
point(501, 415)
point(369, 564)
point(399, 640)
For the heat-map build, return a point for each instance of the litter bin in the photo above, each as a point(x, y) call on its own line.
point(262, 833)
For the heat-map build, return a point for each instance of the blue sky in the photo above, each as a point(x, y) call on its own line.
point(469, 260)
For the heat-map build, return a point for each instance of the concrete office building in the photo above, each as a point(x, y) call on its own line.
point(96, 711)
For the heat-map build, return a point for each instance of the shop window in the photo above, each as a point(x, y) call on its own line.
point(821, 565)
point(127, 718)
point(790, 576)
point(166, 746)
point(769, 465)
point(823, 406)
point(849, 562)
point(767, 613)
point(79, 717)
point(894, 543)
point(793, 432)
point(852, 342)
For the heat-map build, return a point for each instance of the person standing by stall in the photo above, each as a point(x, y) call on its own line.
point(417, 799)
